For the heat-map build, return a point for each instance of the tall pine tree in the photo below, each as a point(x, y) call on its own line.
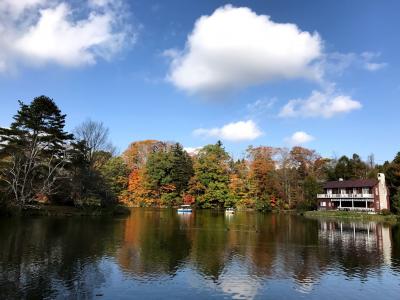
point(33, 150)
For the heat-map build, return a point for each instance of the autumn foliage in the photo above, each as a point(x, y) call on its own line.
point(267, 178)
point(40, 162)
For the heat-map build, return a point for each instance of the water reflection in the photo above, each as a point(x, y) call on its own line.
point(371, 240)
point(47, 256)
point(205, 254)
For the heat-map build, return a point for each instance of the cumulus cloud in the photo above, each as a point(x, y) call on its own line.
point(235, 132)
point(299, 138)
point(320, 104)
point(234, 48)
point(52, 32)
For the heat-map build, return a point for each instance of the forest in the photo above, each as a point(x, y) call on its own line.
point(42, 163)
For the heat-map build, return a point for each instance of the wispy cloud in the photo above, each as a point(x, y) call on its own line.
point(374, 66)
point(370, 63)
point(337, 63)
point(260, 107)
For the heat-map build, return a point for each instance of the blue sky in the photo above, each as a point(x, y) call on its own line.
point(321, 74)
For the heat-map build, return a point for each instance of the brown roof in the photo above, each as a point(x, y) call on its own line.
point(354, 183)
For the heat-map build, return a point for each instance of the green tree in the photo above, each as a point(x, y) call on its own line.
point(34, 151)
point(182, 168)
point(349, 168)
point(115, 173)
point(210, 183)
point(169, 171)
point(89, 186)
point(392, 174)
point(311, 188)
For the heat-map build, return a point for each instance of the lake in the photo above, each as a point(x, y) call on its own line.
point(158, 254)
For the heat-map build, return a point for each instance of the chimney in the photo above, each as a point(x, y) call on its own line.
point(382, 192)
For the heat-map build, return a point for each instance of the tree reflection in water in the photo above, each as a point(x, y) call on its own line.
point(206, 253)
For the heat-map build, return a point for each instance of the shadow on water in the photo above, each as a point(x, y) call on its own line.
point(207, 253)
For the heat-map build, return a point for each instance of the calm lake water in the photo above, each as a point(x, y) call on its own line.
point(159, 254)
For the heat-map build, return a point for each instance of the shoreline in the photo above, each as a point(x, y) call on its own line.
point(67, 211)
point(345, 215)
point(123, 210)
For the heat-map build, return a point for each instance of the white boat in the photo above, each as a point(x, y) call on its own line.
point(230, 211)
point(185, 209)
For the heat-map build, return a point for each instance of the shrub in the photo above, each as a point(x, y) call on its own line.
point(385, 212)
point(170, 199)
point(88, 201)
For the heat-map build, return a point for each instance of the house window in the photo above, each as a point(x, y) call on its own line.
point(323, 203)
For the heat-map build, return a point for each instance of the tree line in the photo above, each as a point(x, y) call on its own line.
point(41, 162)
point(267, 178)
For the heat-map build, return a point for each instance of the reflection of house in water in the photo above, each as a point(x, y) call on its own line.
point(369, 237)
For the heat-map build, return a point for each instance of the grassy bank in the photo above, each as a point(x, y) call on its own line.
point(68, 211)
point(347, 215)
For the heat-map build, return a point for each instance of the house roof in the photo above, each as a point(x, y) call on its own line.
point(354, 183)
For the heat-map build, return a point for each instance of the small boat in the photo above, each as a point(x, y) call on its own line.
point(230, 211)
point(185, 209)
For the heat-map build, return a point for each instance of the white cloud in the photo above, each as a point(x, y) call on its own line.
point(55, 38)
point(374, 66)
point(235, 132)
point(369, 64)
point(100, 2)
point(299, 138)
point(52, 32)
point(16, 7)
point(336, 63)
point(192, 150)
point(171, 53)
point(260, 107)
point(320, 104)
point(234, 48)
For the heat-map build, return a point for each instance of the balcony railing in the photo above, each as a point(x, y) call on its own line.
point(345, 196)
point(356, 209)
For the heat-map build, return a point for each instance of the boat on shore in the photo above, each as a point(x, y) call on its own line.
point(185, 209)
